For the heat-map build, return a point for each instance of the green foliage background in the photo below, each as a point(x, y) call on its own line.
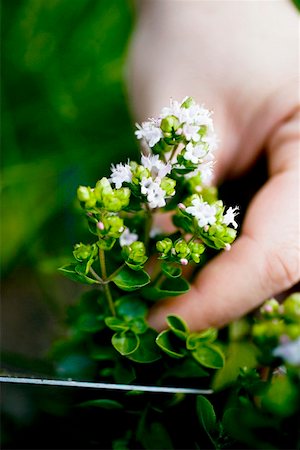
point(64, 121)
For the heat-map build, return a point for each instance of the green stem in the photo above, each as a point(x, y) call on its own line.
point(173, 153)
point(106, 285)
point(96, 276)
point(115, 272)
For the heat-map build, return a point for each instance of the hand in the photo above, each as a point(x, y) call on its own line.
point(239, 59)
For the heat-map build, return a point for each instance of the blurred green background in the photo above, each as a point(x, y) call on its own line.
point(64, 121)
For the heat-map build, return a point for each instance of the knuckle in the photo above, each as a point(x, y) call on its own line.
point(283, 268)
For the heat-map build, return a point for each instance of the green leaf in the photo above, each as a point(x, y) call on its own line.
point(89, 323)
point(187, 368)
point(116, 324)
point(196, 339)
point(147, 351)
point(129, 280)
point(102, 403)
point(238, 354)
point(207, 417)
point(178, 326)
point(106, 243)
point(70, 272)
point(209, 356)
point(138, 325)
point(170, 270)
point(164, 341)
point(125, 342)
point(130, 307)
point(169, 288)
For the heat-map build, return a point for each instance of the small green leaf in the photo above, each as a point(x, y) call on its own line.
point(125, 342)
point(102, 403)
point(70, 272)
point(178, 326)
point(170, 270)
point(169, 288)
point(147, 351)
point(209, 356)
point(116, 324)
point(164, 341)
point(106, 243)
point(207, 417)
point(130, 307)
point(129, 280)
point(196, 339)
point(138, 325)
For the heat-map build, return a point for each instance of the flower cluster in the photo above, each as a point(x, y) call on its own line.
point(180, 251)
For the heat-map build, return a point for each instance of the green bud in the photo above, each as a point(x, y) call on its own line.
point(169, 123)
point(83, 252)
point(181, 248)
point(135, 253)
point(196, 250)
point(168, 185)
point(293, 330)
point(138, 173)
point(102, 189)
point(270, 308)
point(291, 307)
point(113, 226)
point(86, 195)
point(164, 246)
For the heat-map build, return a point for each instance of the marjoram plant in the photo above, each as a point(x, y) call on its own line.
point(131, 262)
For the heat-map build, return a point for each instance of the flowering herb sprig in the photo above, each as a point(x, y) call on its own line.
point(173, 173)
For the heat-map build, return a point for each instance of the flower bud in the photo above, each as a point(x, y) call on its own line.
point(270, 308)
point(168, 185)
point(188, 102)
point(82, 252)
point(292, 307)
point(181, 248)
point(135, 253)
point(196, 250)
point(83, 193)
point(169, 124)
point(113, 226)
point(164, 246)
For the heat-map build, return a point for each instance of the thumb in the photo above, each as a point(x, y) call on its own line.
point(262, 262)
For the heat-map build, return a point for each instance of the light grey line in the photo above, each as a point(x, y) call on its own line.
point(111, 386)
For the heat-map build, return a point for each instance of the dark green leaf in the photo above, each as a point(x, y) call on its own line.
point(207, 417)
point(170, 270)
point(106, 243)
point(147, 351)
point(130, 307)
point(90, 323)
point(209, 356)
point(125, 342)
point(164, 341)
point(178, 326)
point(129, 280)
point(169, 288)
point(138, 325)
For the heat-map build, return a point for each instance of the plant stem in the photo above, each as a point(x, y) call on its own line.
point(96, 276)
point(106, 285)
point(173, 153)
point(148, 224)
point(115, 272)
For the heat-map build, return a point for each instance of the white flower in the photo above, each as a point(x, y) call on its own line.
point(194, 153)
point(119, 174)
point(127, 237)
point(212, 141)
point(156, 167)
point(173, 110)
point(191, 132)
point(206, 172)
point(149, 131)
point(204, 213)
point(155, 194)
point(229, 217)
point(289, 352)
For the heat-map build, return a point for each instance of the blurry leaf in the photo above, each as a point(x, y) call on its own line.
point(128, 280)
point(116, 324)
point(282, 397)
point(209, 356)
point(104, 403)
point(207, 417)
point(130, 307)
point(238, 355)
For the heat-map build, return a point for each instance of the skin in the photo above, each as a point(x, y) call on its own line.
point(240, 59)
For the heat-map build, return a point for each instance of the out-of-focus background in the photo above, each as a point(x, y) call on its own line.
point(64, 121)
